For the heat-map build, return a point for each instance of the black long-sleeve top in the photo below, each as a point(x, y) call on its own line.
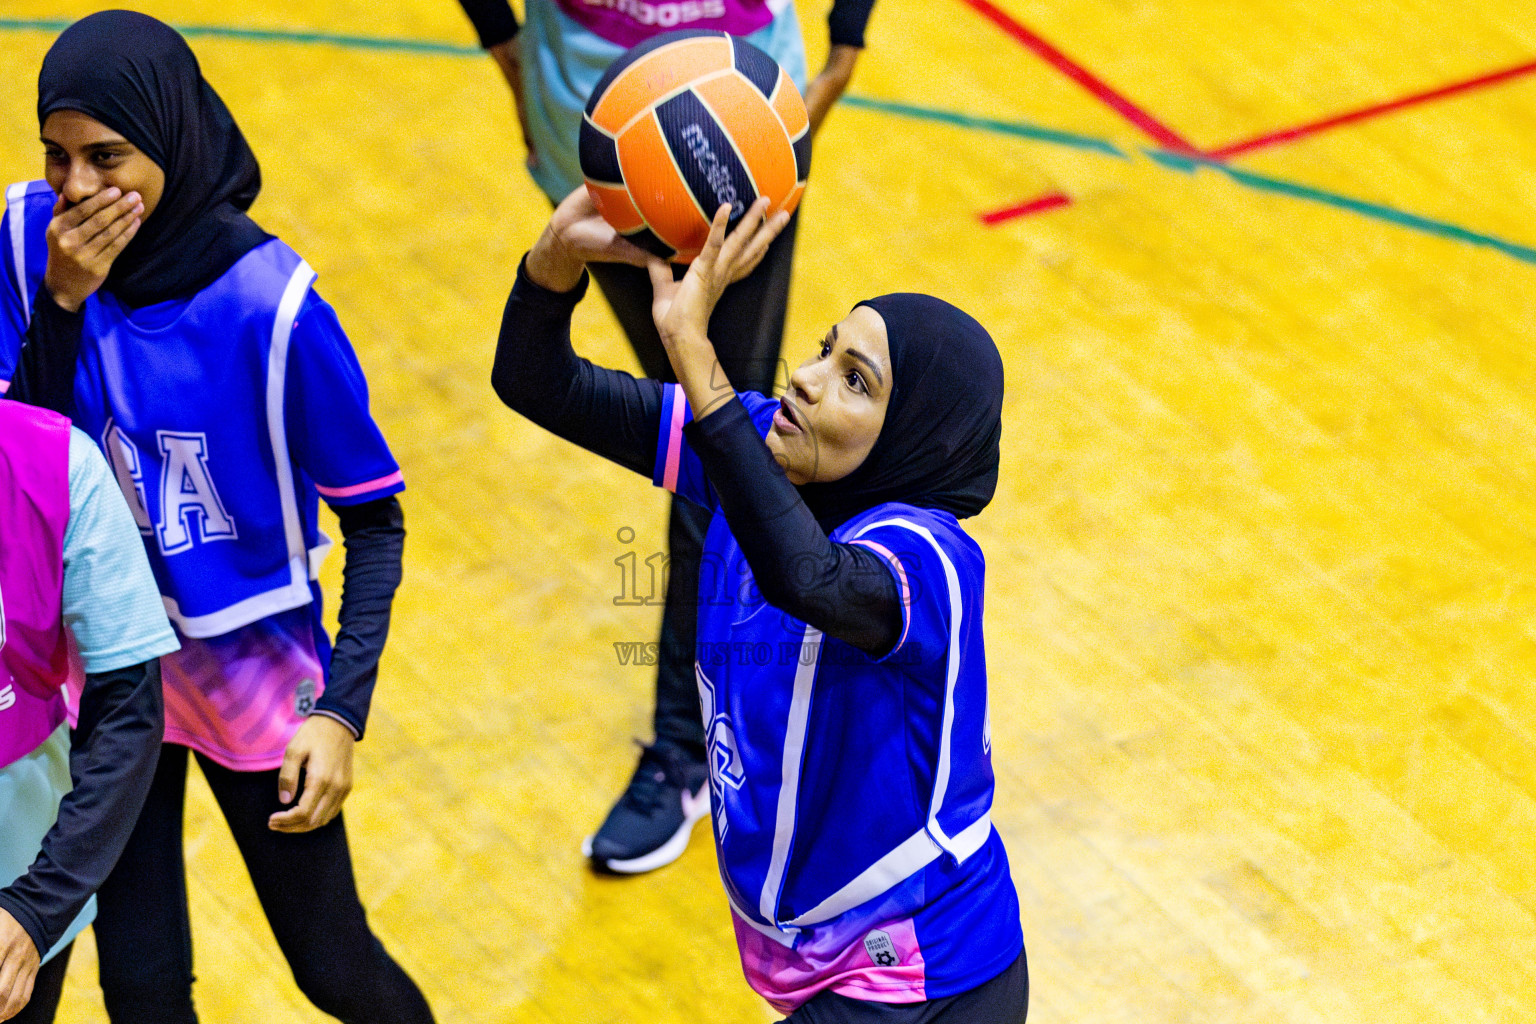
point(372, 532)
point(844, 590)
point(113, 752)
point(495, 23)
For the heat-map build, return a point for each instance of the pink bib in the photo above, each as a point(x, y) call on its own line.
point(34, 510)
point(628, 22)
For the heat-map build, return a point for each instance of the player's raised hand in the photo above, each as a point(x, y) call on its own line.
point(682, 308)
point(84, 239)
point(575, 236)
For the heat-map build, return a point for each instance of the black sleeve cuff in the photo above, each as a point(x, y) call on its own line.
point(493, 20)
point(536, 295)
point(338, 715)
point(113, 753)
point(848, 20)
point(374, 536)
point(45, 371)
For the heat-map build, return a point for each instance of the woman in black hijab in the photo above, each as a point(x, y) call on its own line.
point(841, 663)
point(191, 345)
point(139, 77)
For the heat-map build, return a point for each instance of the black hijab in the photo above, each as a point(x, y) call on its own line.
point(938, 447)
point(138, 77)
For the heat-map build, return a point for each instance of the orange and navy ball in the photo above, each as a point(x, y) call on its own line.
point(684, 123)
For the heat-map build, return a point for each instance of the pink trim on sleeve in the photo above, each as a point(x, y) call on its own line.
point(5, 386)
point(362, 488)
point(674, 440)
point(901, 580)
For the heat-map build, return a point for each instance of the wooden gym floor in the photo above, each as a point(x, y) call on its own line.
point(1262, 590)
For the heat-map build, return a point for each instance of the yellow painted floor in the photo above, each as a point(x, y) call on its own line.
point(1262, 604)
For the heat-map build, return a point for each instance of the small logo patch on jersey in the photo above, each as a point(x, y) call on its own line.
point(304, 698)
point(7, 698)
point(881, 949)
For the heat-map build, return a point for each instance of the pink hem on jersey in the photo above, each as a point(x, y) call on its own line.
point(234, 762)
point(674, 441)
point(240, 698)
point(906, 588)
point(371, 485)
point(789, 978)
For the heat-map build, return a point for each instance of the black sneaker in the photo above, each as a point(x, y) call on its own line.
point(651, 823)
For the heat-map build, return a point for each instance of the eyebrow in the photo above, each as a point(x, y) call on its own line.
point(90, 147)
point(861, 357)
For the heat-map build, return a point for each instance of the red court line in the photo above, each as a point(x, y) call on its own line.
point(1364, 113)
point(1040, 205)
point(1082, 76)
point(1171, 139)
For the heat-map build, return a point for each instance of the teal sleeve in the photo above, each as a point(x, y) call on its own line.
point(111, 603)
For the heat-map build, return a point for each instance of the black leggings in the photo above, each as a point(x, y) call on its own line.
point(304, 882)
point(1003, 1000)
point(747, 328)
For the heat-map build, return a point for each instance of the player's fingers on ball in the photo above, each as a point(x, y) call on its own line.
point(717, 228)
point(661, 273)
point(770, 229)
point(751, 256)
point(757, 247)
point(750, 218)
point(752, 229)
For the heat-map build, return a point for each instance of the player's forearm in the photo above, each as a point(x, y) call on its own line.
point(113, 753)
point(842, 590)
point(538, 374)
point(699, 373)
point(374, 536)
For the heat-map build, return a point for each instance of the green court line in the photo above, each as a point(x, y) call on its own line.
point(262, 35)
point(1376, 211)
point(1017, 129)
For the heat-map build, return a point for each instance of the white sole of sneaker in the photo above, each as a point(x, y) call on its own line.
point(694, 808)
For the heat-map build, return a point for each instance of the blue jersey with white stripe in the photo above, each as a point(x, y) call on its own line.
point(224, 416)
point(220, 418)
point(851, 795)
